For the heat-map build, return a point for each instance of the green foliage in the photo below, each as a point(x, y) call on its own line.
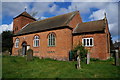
point(83, 52)
point(94, 59)
point(29, 54)
point(7, 41)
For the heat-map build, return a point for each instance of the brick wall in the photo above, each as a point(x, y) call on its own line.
point(61, 50)
point(100, 48)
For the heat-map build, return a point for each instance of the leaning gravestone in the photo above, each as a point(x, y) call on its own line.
point(20, 52)
point(29, 55)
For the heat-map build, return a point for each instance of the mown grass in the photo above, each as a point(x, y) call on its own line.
point(18, 67)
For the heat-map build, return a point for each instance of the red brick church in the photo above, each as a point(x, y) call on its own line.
point(55, 37)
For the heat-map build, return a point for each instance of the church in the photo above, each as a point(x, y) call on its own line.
point(56, 36)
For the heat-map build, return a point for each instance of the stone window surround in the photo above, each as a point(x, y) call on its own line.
point(17, 42)
point(51, 40)
point(36, 41)
point(89, 44)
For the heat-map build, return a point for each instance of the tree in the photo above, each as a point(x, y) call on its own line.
point(7, 41)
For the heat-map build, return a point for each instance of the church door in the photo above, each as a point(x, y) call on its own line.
point(24, 48)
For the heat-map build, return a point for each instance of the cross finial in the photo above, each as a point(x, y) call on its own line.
point(76, 8)
point(105, 17)
point(25, 8)
point(105, 14)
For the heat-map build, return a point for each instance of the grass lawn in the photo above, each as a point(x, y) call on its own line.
point(18, 67)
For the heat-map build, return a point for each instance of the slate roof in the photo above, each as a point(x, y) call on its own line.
point(49, 23)
point(92, 26)
point(26, 15)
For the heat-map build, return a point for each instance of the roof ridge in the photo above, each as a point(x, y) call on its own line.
point(23, 14)
point(92, 21)
point(75, 28)
point(52, 22)
point(75, 12)
point(53, 17)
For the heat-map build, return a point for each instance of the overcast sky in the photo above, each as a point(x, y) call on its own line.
point(89, 11)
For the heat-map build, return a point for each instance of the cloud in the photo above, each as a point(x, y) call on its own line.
point(53, 8)
point(97, 15)
point(15, 8)
point(111, 10)
point(84, 7)
point(43, 17)
point(6, 27)
point(40, 8)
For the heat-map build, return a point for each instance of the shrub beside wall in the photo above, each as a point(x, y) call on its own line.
point(83, 52)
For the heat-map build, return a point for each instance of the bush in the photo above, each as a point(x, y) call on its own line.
point(83, 52)
point(94, 59)
point(29, 54)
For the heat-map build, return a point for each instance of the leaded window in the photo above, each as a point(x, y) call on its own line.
point(51, 39)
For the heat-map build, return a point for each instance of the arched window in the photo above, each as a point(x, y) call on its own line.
point(51, 39)
point(36, 41)
point(16, 43)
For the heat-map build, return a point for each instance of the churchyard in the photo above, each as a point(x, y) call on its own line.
point(19, 67)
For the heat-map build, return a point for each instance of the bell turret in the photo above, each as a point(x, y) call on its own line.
point(21, 20)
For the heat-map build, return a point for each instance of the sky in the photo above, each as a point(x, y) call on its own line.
point(89, 10)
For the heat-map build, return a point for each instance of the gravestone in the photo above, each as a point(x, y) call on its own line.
point(29, 55)
point(20, 52)
point(88, 58)
point(116, 58)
